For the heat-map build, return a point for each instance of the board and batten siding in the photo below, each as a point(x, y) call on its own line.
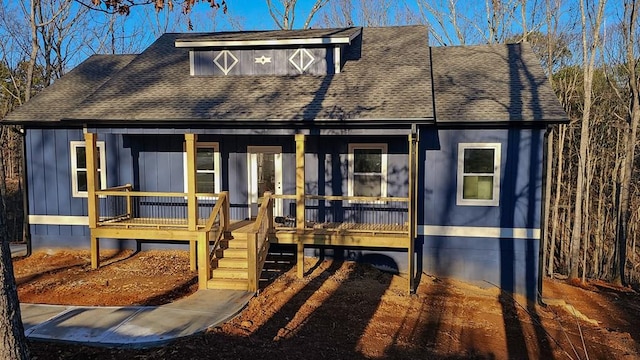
point(313, 61)
point(48, 159)
point(490, 245)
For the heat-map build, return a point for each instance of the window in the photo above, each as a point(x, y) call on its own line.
point(478, 174)
point(368, 170)
point(207, 168)
point(79, 168)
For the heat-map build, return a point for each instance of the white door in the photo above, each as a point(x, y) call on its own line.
point(265, 174)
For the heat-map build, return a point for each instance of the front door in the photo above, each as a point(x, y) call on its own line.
point(265, 174)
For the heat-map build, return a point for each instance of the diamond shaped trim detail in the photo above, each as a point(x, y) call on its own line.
point(225, 61)
point(301, 59)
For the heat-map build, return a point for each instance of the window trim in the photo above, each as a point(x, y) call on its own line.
point(216, 165)
point(496, 175)
point(74, 145)
point(351, 164)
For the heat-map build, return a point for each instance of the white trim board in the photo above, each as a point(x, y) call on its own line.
point(479, 231)
point(58, 220)
point(194, 43)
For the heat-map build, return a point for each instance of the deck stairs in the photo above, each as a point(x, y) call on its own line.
point(230, 265)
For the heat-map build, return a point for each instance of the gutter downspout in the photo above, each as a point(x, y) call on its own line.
point(543, 216)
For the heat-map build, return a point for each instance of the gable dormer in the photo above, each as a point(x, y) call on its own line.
point(291, 52)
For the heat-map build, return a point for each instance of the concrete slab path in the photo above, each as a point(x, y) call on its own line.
point(130, 326)
point(133, 326)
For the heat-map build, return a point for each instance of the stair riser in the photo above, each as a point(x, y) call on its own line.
point(232, 263)
point(232, 253)
point(228, 285)
point(227, 274)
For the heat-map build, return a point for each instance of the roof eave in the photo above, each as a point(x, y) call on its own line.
point(342, 40)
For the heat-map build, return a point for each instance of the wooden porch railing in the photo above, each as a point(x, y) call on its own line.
point(121, 205)
point(258, 241)
point(355, 213)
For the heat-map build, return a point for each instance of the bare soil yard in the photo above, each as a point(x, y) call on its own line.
point(343, 310)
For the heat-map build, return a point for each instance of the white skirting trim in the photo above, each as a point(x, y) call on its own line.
point(58, 220)
point(480, 231)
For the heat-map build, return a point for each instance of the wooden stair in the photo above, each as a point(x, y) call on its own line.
point(230, 265)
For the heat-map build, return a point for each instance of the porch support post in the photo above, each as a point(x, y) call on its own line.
point(204, 269)
point(300, 210)
point(412, 210)
point(92, 199)
point(192, 204)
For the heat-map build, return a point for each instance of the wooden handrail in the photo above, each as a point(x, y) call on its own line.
point(222, 199)
point(340, 197)
point(258, 245)
point(356, 198)
point(118, 188)
point(111, 192)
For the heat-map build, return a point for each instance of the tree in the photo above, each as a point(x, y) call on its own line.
point(283, 12)
point(590, 43)
point(629, 29)
point(123, 7)
point(13, 343)
point(345, 13)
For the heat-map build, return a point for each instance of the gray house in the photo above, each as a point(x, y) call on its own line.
point(362, 141)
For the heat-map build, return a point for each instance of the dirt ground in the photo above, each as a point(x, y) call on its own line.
point(343, 310)
point(65, 277)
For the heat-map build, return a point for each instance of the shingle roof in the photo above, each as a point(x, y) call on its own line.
point(492, 83)
point(387, 77)
point(65, 94)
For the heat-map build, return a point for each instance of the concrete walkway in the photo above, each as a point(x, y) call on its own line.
point(130, 326)
point(133, 326)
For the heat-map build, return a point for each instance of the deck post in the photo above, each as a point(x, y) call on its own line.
point(412, 213)
point(192, 201)
point(300, 205)
point(91, 154)
point(204, 268)
point(300, 259)
point(300, 216)
point(252, 261)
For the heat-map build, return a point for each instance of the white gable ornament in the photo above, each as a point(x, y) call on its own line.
point(225, 61)
point(302, 60)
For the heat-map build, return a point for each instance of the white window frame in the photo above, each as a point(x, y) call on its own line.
point(102, 172)
point(495, 201)
point(351, 160)
point(216, 165)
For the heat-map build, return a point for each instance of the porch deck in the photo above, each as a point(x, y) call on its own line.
point(231, 254)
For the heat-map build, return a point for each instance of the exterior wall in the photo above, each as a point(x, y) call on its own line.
point(486, 244)
point(48, 159)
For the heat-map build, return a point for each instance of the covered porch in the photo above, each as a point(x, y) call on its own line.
point(215, 241)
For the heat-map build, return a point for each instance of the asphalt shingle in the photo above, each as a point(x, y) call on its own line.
point(492, 83)
point(65, 94)
point(388, 76)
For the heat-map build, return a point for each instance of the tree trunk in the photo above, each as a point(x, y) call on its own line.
point(588, 62)
point(562, 130)
point(13, 343)
point(631, 136)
